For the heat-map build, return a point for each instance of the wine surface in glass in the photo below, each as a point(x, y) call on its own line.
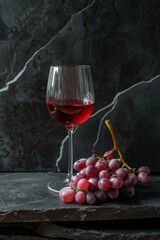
point(70, 113)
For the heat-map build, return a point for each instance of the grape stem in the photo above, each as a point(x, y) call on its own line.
point(115, 144)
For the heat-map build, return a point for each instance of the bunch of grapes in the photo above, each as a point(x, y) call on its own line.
point(102, 177)
point(99, 178)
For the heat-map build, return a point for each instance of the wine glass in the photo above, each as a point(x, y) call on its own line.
point(70, 102)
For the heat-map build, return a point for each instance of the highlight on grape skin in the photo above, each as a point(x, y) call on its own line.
point(67, 194)
point(83, 184)
point(100, 178)
point(80, 197)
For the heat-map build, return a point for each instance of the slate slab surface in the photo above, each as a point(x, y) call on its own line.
point(29, 211)
point(24, 197)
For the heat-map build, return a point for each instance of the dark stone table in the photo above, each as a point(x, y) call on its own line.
point(28, 209)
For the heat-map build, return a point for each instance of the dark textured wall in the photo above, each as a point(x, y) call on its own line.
point(120, 39)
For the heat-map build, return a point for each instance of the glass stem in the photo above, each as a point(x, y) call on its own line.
point(70, 155)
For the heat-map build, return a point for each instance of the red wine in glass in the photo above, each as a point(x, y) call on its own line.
point(70, 102)
point(70, 113)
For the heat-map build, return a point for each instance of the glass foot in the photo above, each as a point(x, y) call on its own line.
point(59, 181)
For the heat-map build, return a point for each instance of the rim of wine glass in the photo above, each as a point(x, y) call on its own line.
point(70, 65)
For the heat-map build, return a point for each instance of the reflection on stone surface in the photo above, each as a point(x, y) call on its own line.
point(119, 39)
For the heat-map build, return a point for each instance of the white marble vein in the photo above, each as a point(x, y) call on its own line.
point(20, 73)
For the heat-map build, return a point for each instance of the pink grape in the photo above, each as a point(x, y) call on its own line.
point(74, 181)
point(90, 198)
point(115, 181)
point(91, 161)
point(129, 191)
point(144, 169)
point(93, 183)
point(64, 189)
point(143, 177)
point(120, 172)
point(126, 170)
point(80, 164)
point(107, 162)
point(104, 174)
point(104, 184)
point(67, 195)
point(83, 184)
point(80, 197)
point(101, 196)
point(100, 165)
point(114, 164)
point(82, 173)
point(113, 193)
point(130, 179)
point(108, 155)
point(90, 171)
